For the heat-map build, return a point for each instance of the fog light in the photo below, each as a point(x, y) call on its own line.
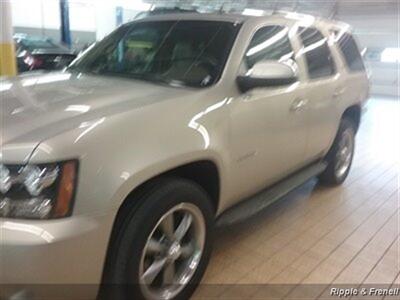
point(5, 179)
point(35, 208)
point(4, 207)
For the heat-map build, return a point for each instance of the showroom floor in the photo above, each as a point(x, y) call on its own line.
point(319, 235)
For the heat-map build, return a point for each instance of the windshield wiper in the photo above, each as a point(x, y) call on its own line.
point(158, 79)
point(143, 77)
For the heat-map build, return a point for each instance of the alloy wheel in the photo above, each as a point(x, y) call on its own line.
point(344, 153)
point(172, 252)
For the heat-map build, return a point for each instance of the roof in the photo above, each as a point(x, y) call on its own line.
point(224, 17)
point(241, 18)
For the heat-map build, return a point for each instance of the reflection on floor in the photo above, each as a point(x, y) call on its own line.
point(343, 235)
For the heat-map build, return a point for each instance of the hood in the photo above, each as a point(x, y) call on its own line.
point(37, 107)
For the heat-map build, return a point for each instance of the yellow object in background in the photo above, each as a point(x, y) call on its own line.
point(7, 60)
point(7, 49)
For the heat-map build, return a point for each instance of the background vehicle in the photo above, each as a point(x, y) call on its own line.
point(41, 53)
point(163, 129)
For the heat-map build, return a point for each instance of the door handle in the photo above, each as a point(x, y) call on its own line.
point(298, 104)
point(338, 93)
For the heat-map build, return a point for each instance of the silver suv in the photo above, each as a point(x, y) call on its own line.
point(116, 170)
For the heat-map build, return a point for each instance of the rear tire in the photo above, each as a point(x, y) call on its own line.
point(340, 156)
point(163, 247)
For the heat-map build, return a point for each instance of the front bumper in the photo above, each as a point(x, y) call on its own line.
point(67, 252)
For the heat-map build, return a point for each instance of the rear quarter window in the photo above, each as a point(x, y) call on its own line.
point(350, 52)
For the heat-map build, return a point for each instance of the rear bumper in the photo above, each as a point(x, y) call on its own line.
point(68, 252)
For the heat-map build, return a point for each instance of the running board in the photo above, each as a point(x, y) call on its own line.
point(262, 200)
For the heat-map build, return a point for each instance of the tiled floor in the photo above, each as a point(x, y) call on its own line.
point(319, 235)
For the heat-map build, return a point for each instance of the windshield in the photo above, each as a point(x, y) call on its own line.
point(188, 53)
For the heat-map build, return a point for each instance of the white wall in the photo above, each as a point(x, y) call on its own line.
point(375, 30)
point(105, 18)
point(106, 13)
point(85, 15)
point(378, 30)
point(82, 15)
point(36, 13)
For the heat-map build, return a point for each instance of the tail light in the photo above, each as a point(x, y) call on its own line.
point(32, 61)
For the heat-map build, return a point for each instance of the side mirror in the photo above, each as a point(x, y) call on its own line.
point(267, 74)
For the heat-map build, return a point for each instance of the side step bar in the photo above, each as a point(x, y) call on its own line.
point(262, 200)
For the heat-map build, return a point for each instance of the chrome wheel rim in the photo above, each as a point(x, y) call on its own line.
point(344, 154)
point(172, 252)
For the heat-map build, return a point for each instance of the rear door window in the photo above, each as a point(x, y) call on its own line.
point(350, 52)
point(318, 56)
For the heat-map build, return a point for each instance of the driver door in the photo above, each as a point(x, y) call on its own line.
point(269, 128)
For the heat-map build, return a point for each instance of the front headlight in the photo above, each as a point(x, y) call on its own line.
point(42, 191)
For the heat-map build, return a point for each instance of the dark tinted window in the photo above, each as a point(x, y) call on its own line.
point(269, 43)
point(350, 52)
point(318, 56)
point(34, 43)
point(189, 53)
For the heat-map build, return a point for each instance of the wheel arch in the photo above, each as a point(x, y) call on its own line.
point(354, 114)
point(205, 173)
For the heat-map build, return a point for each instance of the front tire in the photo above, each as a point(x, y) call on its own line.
point(340, 156)
point(163, 247)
